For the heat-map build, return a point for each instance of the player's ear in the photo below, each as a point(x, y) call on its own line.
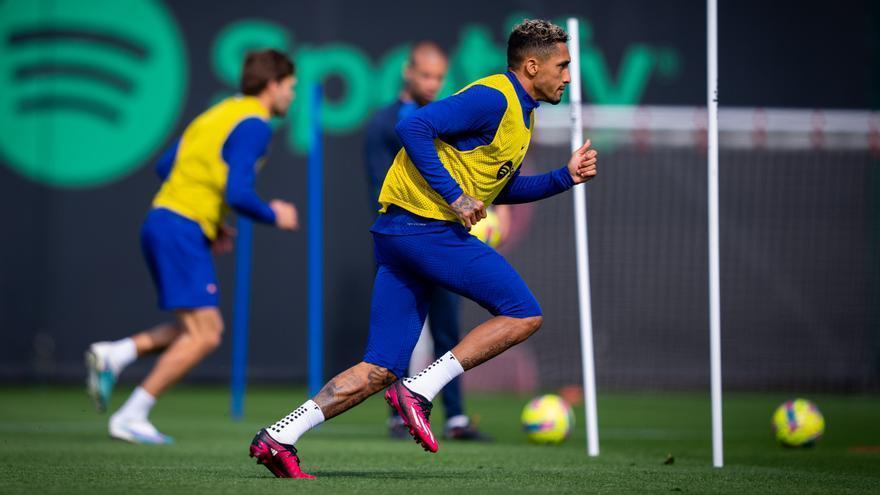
point(531, 67)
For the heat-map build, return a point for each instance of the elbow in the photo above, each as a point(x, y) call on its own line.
point(235, 199)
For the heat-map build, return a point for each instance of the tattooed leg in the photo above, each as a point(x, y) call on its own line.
point(493, 337)
point(351, 387)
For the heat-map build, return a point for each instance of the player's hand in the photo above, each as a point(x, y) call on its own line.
point(582, 166)
point(286, 217)
point(225, 239)
point(470, 210)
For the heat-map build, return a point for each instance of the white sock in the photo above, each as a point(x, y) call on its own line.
point(433, 378)
point(122, 353)
point(459, 421)
point(289, 428)
point(137, 406)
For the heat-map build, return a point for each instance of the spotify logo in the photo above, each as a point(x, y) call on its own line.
point(90, 87)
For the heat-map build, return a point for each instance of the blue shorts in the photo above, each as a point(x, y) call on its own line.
point(410, 266)
point(179, 258)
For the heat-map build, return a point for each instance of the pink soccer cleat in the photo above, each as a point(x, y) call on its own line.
point(278, 457)
point(415, 411)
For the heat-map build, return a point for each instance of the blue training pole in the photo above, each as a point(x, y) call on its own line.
point(316, 247)
point(240, 316)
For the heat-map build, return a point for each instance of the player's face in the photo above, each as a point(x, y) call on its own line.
point(424, 78)
point(553, 75)
point(282, 95)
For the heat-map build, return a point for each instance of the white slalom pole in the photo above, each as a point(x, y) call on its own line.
point(583, 258)
point(714, 264)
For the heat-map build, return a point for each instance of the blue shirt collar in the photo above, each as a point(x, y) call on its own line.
point(525, 100)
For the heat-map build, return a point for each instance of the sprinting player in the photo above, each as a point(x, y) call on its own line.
point(460, 154)
point(423, 77)
point(210, 168)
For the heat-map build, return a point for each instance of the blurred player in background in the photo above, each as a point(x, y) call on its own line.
point(211, 168)
point(422, 79)
point(460, 154)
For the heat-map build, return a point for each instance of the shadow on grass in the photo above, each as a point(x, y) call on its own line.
point(442, 476)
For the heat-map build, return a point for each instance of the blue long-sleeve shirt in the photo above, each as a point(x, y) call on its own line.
point(465, 120)
point(244, 147)
point(382, 144)
point(528, 188)
point(166, 161)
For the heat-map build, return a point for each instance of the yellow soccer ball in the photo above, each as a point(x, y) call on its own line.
point(488, 229)
point(798, 423)
point(547, 419)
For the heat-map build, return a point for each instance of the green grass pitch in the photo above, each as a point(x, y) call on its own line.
point(52, 441)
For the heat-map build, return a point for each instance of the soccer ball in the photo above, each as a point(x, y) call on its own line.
point(547, 419)
point(798, 423)
point(488, 229)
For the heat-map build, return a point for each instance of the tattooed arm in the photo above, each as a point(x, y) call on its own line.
point(464, 120)
point(469, 210)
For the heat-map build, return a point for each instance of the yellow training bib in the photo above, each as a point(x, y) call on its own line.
point(481, 172)
point(196, 186)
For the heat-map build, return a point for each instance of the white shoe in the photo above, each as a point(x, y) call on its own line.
point(101, 377)
point(137, 431)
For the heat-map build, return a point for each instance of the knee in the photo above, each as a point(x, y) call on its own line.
point(533, 323)
point(379, 377)
point(210, 332)
point(215, 332)
point(213, 337)
point(528, 326)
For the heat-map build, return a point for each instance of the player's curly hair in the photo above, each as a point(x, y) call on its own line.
point(263, 66)
point(533, 37)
